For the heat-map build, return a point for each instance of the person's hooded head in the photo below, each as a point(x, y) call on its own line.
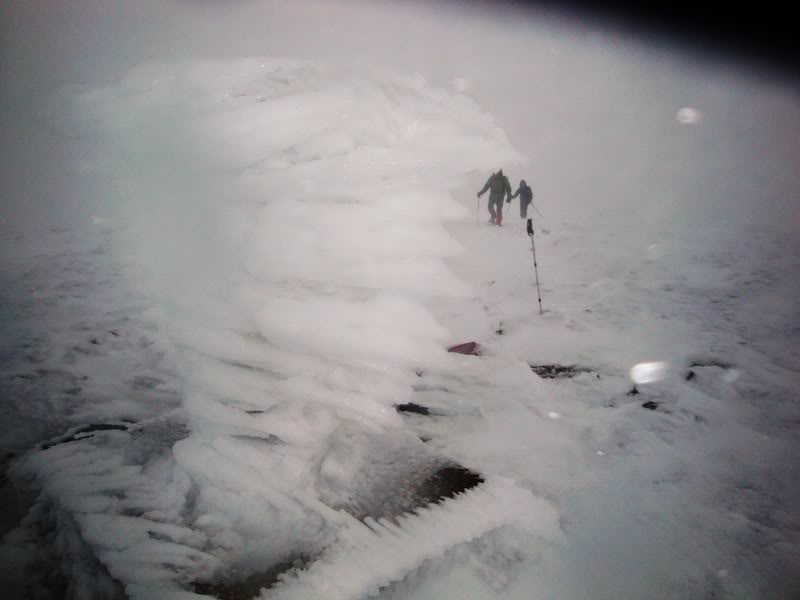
point(500, 172)
point(523, 184)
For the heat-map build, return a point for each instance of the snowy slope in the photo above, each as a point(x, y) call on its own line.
point(78, 347)
point(695, 498)
point(306, 238)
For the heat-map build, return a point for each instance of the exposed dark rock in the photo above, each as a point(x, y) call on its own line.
point(83, 430)
point(709, 362)
point(233, 587)
point(410, 407)
point(446, 483)
point(559, 371)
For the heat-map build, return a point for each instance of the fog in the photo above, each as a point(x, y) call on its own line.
point(592, 108)
point(656, 170)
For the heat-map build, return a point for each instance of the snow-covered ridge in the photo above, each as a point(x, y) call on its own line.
point(287, 220)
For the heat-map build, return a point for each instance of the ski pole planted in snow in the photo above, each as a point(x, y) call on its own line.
point(535, 265)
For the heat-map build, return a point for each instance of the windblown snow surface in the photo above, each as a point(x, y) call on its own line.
point(288, 250)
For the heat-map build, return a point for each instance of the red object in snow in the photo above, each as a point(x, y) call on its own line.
point(470, 348)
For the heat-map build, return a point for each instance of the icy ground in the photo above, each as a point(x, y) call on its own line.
point(287, 251)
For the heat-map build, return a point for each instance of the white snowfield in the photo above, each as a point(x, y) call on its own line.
point(303, 237)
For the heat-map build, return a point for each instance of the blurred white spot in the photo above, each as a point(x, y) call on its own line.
point(722, 572)
point(460, 84)
point(600, 453)
point(649, 372)
point(730, 376)
point(99, 220)
point(689, 116)
point(554, 415)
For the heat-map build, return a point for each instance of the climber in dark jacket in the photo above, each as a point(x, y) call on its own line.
point(499, 187)
point(525, 194)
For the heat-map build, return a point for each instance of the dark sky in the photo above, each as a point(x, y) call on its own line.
point(760, 33)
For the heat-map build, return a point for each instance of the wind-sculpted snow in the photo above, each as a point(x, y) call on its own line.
point(287, 221)
point(372, 555)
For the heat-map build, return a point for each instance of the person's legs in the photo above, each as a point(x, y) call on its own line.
point(491, 211)
point(499, 210)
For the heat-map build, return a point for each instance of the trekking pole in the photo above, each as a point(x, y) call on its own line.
point(535, 265)
point(478, 212)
